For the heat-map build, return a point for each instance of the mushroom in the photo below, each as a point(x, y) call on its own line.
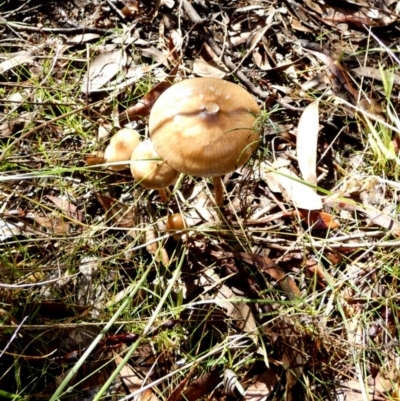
point(121, 147)
point(175, 222)
point(205, 127)
point(150, 171)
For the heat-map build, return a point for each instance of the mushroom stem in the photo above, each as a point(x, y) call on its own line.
point(218, 191)
point(163, 195)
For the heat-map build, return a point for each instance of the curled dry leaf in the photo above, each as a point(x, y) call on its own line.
point(294, 191)
point(69, 208)
point(9, 230)
point(318, 220)
point(21, 58)
point(307, 140)
point(263, 387)
point(142, 108)
point(55, 225)
point(94, 159)
point(105, 67)
point(374, 73)
point(200, 387)
point(16, 124)
point(203, 68)
point(82, 38)
point(232, 385)
point(267, 265)
point(133, 382)
point(375, 215)
point(122, 215)
point(313, 218)
point(314, 268)
point(337, 74)
point(228, 300)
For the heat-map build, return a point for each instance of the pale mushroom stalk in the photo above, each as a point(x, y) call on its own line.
point(218, 191)
point(163, 195)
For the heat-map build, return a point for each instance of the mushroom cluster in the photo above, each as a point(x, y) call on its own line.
point(125, 148)
point(205, 127)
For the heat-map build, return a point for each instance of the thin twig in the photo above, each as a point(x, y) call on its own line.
point(13, 336)
point(76, 30)
point(121, 16)
point(28, 286)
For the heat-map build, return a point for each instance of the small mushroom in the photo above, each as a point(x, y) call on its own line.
point(121, 147)
point(150, 171)
point(175, 222)
point(205, 127)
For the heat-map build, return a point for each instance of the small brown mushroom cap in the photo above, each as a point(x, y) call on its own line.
point(149, 170)
point(175, 222)
point(121, 147)
point(204, 126)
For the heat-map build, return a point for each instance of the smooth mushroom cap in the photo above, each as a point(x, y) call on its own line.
point(204, 126)
point(121, 147)
point(149, 170)
point(175, 222)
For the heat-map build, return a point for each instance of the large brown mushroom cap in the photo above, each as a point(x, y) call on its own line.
point(121, 147)
point(149, 170)
point(204, 126)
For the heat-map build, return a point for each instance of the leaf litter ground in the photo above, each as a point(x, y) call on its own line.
point(289, 291)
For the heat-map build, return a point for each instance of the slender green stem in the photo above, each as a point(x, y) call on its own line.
point(74, 370)
point(146, 330)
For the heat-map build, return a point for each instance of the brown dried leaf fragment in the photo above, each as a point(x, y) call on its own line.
point(267, 265)
point(264, 386)
point(16, 124)
point(122, 215)
point(337, 73)
point(201, 386)
point(66, 206)
point(318, 220)
point(55, 225)
point(105, 67)
point(142, 108)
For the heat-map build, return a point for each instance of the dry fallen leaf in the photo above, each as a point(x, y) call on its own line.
point(143, 107)
point(133, 382)
point(66, 206)
point(337, 74)
point(203, 68)
point(374, 73)
point(263, 387)
point(55, 225)
point(375, 215)
point(229, 300)
point(307, 140)
point(293, 190)
point(200, 387)
point(105, 67)
point(20, 58)
point(122, 215)
point(94, 159)
point(16, 124)
point(268, 266)
point(318, 220)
